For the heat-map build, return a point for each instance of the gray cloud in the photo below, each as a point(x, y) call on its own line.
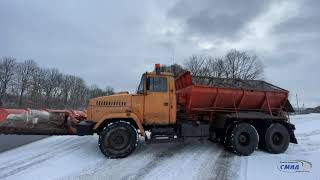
point(112, 43)
point(213, 17)
point(307, 21)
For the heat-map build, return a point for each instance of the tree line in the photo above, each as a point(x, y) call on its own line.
point(235, 64)
point(26, 84)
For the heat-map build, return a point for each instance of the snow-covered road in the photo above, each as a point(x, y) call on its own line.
point(72, 157)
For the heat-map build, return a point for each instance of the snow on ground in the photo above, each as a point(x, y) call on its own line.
point(72, 157)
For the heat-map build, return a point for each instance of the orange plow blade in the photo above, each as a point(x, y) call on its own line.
point(40, 122)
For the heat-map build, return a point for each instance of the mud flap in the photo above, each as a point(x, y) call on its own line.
point(293, 138)
point(291, 129)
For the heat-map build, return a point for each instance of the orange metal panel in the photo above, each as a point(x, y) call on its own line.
point(218, 98)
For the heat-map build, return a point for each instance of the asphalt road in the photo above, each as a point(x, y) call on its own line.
point(8, 142)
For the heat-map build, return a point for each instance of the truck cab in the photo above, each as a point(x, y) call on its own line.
point(154, 103)
point(159, 100)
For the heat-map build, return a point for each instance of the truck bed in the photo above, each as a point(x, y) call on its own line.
point(207, 94)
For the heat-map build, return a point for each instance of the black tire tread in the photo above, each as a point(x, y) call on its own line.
point(232, 138)
point(284, 131)
point(104, 132)
point(227, 138)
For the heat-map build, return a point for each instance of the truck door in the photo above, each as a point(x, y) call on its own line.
point(157, 100)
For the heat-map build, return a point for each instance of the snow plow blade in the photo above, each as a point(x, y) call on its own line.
point(40, 122)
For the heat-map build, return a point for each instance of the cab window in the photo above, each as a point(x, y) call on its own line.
point(157, 84)
point(140, 87)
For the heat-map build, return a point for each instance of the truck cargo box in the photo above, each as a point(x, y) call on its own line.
point(195, 93)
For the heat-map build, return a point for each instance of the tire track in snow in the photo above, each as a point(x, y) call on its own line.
point(105, 163)
point(225, 167)
point(182, 164)
point(143, 155)
point(154, 160)
point(25, 164)
point(13, 163)
point(211, 156)
point(157, 159)
point(312, 133)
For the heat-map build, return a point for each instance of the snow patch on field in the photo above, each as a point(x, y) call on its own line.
point(71, 157)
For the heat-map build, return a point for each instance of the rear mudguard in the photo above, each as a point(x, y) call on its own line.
point(291, 128)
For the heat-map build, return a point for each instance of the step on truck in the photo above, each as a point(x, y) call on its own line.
point(240, 114)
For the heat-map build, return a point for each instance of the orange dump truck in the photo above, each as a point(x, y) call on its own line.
point(241, 114)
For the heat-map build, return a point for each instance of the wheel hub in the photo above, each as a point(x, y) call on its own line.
point(277, 138)
point(118, 139)
point(244, 138)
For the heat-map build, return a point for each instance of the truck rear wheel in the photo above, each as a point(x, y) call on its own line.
point(118, 139)
point(244, 139)
point(226, 138)
point(276, 138)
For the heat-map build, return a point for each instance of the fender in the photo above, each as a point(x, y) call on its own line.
point(121, 115)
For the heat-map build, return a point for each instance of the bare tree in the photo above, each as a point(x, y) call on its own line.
point(239, 64)
point(26, 84)
point(36, 89)
point(175, 69)
point(51, 84)
point(79, 93)
point(235, 64)
point(24, 73)
point(197, 65)
point(66, 87)
point(7, 67)
point(205, 66)
point(95, 91)
point(215, 67)
point(109, 91)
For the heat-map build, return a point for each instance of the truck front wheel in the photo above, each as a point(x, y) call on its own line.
point(118, 139)
point(244, 139)
point(276, 138)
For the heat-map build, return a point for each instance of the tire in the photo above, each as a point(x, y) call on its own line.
point(244, 139)
point(262, 134)
point(276, 138)
point(118, 139)
point(226, 140)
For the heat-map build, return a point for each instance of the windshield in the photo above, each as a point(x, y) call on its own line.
point(141, 86)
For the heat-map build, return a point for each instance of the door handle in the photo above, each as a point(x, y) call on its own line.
point(166, 104)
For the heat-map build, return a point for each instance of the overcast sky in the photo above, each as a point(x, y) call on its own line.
point(113, 42)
